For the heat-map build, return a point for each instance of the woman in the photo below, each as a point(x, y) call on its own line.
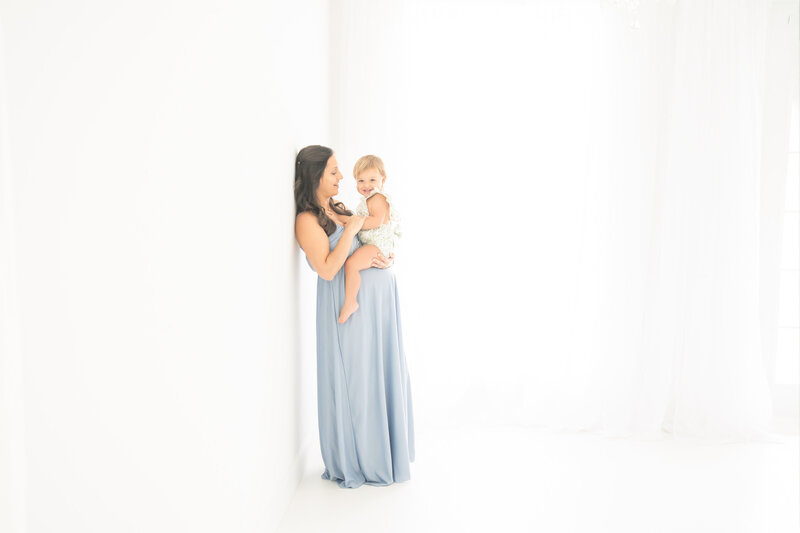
point(366, 422)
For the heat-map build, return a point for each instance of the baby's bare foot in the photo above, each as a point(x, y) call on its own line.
point(347, 310)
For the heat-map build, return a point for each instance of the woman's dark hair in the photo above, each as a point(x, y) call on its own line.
point(308, 169)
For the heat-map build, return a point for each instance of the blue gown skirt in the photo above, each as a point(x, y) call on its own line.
point(366, 421)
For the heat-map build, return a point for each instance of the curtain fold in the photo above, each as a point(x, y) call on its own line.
point(701, 312)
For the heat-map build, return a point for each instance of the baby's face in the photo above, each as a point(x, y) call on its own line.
point(369, 180)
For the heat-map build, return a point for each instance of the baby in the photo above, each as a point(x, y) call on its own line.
point(379, 232)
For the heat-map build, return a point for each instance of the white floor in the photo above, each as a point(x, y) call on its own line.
point(514, 479)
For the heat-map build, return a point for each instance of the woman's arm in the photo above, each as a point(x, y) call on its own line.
point(378, 211)
point(314, 242)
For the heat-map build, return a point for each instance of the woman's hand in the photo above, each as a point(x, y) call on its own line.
point(379, 261)
point(354, 224)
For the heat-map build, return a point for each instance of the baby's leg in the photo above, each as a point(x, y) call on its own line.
point(358, 261)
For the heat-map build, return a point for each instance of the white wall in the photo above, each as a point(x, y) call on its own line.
point(12, 428)
point(150, 153)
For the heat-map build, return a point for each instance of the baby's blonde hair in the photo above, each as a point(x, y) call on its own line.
point(367, 162)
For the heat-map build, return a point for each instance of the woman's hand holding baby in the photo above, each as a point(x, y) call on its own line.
point(380, 261)
point(354, 224)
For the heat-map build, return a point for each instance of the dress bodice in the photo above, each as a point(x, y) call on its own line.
point(333, 240)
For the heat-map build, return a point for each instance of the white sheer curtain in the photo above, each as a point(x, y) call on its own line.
point(701, 312)
point(581, 206)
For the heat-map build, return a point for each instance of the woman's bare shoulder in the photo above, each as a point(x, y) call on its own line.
point(304, 218)
point(306, 223)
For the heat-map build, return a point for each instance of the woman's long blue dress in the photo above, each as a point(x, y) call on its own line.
point(366, 421)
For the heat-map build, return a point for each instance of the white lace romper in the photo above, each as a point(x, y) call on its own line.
point(384, 236)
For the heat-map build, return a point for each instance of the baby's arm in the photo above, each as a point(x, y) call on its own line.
point(378, 211)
